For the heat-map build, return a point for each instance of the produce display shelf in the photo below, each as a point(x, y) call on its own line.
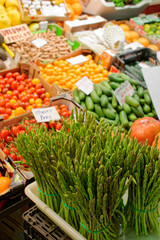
point(38, 226)
point(32, 192)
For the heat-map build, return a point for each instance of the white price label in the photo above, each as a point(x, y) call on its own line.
point(46, 114)
point(77, 60)
point(39, 42)
point(125, 89)
point(134, 46)
point(158, 55)
point(143, 65)
point(85, 85)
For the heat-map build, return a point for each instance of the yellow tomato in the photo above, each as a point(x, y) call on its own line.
point(38, 100)
point(35, 81)
point(31, 100)
point(12, 101)
point(19, 111)
point(9, 92)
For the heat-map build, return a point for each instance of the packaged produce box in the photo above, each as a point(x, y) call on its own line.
point(109, 11)
point(45, 10)
point(123, 62)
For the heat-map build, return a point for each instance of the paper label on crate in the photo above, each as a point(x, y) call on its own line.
point(46, 114)
point(143, 65)
point(77, 60)
point(158, 55)
point(125, 89)
point(133, 46)
point(17, 58)
point(39, 42)
point(85, 85)
point(16, 33)
point(151, 76)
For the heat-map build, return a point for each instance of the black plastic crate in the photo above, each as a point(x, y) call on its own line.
point(37, 226)
point(143, 54)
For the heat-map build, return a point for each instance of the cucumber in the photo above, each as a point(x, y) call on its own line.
point(137, 112)
point(142, 101)
point(112, 122)
point(114, 85)
point(76, 95)
point(123, 119)
point(154, 112)
point(126, 108)
point(132, 117)
point(95, 97)
point(129, 79)
point(131, 101)
point(98, 110)
point(119, 108)
point(111, 108)
point(83, 105)
point(130, 124)
point(94, 114)
point(151, 114)
point(106, 84)
point(109, 114)
point(105, 90)
point(89, 103)
point(82, 95)
point(98, 89)
point(147, 98)
point(115, 77)
point(140, 92)
point(135, 96)
point(146, 108)
point(114, 101)
point(104, 101)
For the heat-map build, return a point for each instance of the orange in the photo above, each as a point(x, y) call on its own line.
point(5, 183)
point(153, 47)
point(134, 35)
point(124, 26)
point(143, 41)
point(128, 36)
point(71, 12)
point(75, 17)
point(77, 8)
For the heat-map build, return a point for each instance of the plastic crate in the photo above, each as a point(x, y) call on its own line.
point(143, 54)
point(39, 227)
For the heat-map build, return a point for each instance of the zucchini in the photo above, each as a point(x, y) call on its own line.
point(129, 79)
point(111, 108)
point(104, 101)
point(89, 103)
point(95, 97)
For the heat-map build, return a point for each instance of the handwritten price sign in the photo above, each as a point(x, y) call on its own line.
point(122, 91)
point(46, 114)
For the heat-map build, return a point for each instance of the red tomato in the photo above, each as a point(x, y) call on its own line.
point(15, 105)
point(52, 124)
point(32, 89)
point(46, 100)
point(2, 145)
point(8, 111)
point(46, 103)
point(5, 116)
point(5, 80)
point(9, 139)
point(44, 124)
point(24, 75)
point(58, 126)
point(65, 113)
point(6, 100)
point(39, 91)
point(2, 81)
point(22, 83)
point(42, 96)
point(24, 99)
point(14, 85)
point(30, 85)
point(35, 96)
point(69, 113)
point(1, 77)
point(5, 90)
point(6, 151)
point(15, 92)
point(26, 121)
point(8, 75)
point(13, 156)
point(15, 74)
point(10, 80)
point(43, 90)
point(14, 150)
point(33, 121)
point(2, 102)
point(20, 88)
point(21, 126)
point(19, 158)
point(14, 130)
point(8, 105)
point(1, 86)
point(21, 131)
point(28, 91)
point(28, 80)
point(2, 110)
point(63, 106)
point(38, 86)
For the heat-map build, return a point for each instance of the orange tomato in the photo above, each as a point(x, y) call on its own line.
point(5, 183)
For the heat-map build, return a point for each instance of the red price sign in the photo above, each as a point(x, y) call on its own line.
point(122, 91)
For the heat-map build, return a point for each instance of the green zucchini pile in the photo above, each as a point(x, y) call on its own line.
point(104, 105)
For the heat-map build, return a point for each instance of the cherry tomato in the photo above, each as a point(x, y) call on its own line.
point(2, 102)
point(63, 106)
point(58, 126)
point(26, 121)
point(14, 130)
point(28, 91)
point(44, 124)
point(14, 150)
point(28, 80)
point(35, 81)
point(24, 99)
point(13, 156)
point(14, 85)
point(1, 77)
point(5, 116)
point(22, 83)
point(6, 151)
point(46, 100)
point(2, 145)
point(15, 105)
point(24, 75)
point(65, 113)
point(8, 75)
point(32, 89)
point(46, 103)
point(2, 110)
point(19, 158)
point(33, 121)
point(35, 96)
point(38, 86)
point(8, 111)
point(9, 139)
point(39, 91)
point(15, 74)
point(10, 80)
point(15, 93)
point(52, 124)
point(5, 90)
point(5, 80)
point(69, 113)
point(20, 88)
point(42, 96)
point(21, 126)
point(30, 85)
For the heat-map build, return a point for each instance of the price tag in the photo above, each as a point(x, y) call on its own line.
point(122, 91)
point(158, 55)
point(85, 85)
point(77, 60)
point(39, 42)
point(143, 65)
point(46, 114)
point(133, 46)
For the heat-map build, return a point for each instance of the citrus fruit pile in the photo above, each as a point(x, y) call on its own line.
point(65, 75)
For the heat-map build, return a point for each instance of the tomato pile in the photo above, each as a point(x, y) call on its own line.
point(20, 94)
point(7, 136)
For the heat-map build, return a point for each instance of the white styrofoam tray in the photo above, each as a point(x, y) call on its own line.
point(32, 192)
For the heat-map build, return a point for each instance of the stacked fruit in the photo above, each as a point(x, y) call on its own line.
point(65, 75)
point(103, 103)
point(8, 135)
point(20, 94)
point(133, 36)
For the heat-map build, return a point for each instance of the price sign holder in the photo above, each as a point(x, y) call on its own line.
point(125, 89)
point(85, 85)
point(46, 114)
point(77, 60)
